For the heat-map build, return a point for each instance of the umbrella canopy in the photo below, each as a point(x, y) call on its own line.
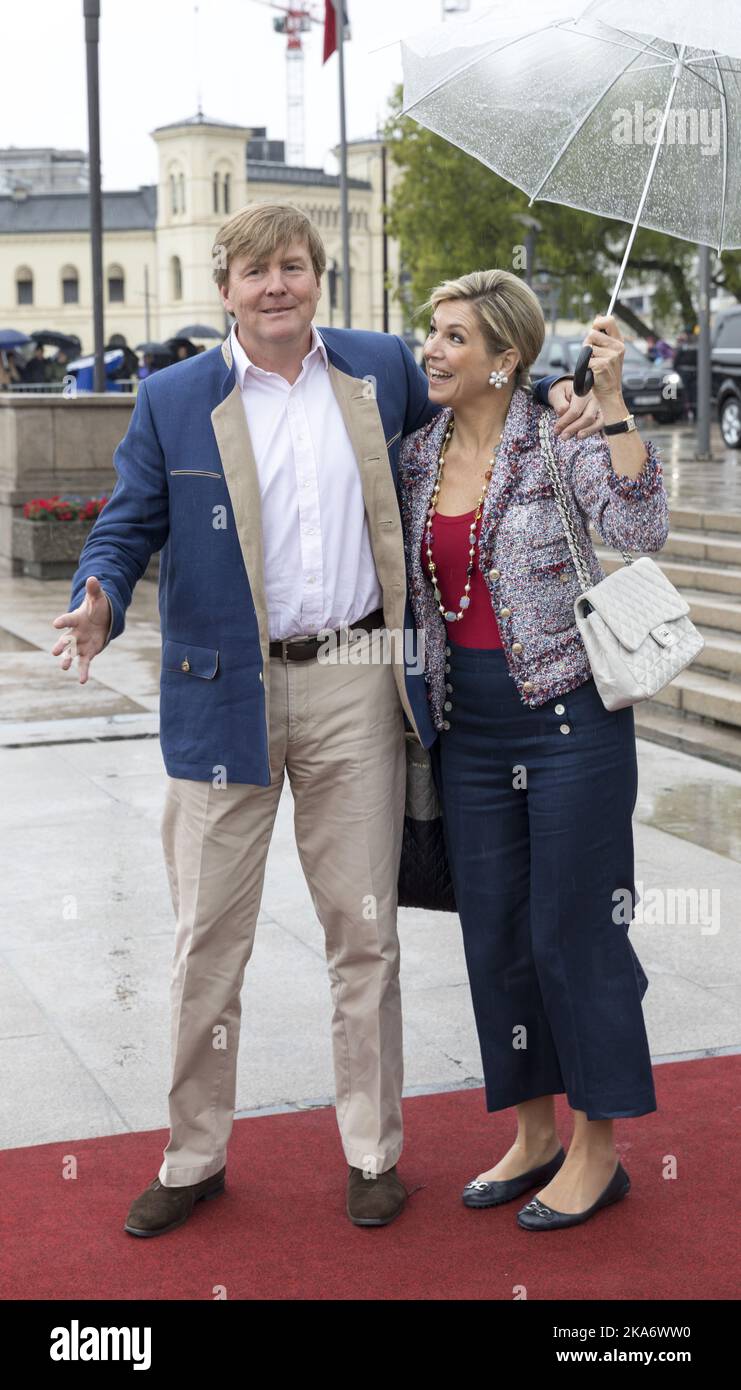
point(173, 344)
point(198, 330)
point(154, 349)
point(625, 124)
point(569, 110)
point(11, 338)
point(714, 24)
point(47, 337)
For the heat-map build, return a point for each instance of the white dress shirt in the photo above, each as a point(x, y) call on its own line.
point(319, 566)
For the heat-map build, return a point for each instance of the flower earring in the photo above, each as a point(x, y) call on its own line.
point(498, 379)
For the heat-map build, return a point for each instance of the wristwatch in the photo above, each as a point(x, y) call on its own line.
point(621, 427)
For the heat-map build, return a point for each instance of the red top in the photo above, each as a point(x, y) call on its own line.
point(478, 627)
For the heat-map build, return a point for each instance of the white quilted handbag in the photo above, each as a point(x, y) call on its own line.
point(633, 624)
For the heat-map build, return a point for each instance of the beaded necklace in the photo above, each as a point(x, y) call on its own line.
point(465, 598)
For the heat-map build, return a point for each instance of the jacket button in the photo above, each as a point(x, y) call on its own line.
point(448, 705)
point(447, 651)
point(528, 686)
point(559, 709)
point(446, 724)
point(447, 666)
point(493, 574)
point(448, 687)
point(565, 728)
point(505, 612)
point(517, 647)
point(260, 676)
point(185, 665)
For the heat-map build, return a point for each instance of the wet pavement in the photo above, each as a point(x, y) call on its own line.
point(88, 929)
point(708, 485)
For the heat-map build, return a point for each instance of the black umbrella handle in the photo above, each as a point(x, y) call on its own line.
point(583, 375)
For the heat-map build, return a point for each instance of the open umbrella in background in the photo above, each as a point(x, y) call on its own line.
point(556, 102)
point(47, 337)
point(154, 349)
point(173, 344)
point(198, 330)
point(10, 338)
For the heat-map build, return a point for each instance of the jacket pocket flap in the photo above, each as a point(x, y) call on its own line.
point(194, 661)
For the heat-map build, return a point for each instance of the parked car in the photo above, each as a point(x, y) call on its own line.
point(726, 375)
point(645, 384)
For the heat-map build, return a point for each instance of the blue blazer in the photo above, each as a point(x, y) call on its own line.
point(187, 485)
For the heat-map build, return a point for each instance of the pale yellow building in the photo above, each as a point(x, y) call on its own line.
point(157, 239)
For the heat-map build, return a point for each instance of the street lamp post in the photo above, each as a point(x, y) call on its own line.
point(702, 448)
point(91, 12)
point(344, 212)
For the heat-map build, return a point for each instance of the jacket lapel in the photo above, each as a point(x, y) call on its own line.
point(359, 407)
point(240, 475)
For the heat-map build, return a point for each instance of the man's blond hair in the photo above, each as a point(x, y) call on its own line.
point(261, 229)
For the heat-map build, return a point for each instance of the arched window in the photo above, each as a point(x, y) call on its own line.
point(181, 183)
point(24, 285)
point(173, 195)
point(116, 286)
point(176, 277)
point(227, 192)
point(216, 192)
point(70, 285)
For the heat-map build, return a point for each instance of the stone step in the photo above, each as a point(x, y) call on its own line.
point(684, 576)
point(711, 611)
point(710, 547)
point(689, 734)
point(721, 654)
point(709, 697)
point(688, 519)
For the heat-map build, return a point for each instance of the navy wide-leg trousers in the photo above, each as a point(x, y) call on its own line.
point(537, 807)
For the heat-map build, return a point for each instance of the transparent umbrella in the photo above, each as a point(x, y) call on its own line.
point(600, 116)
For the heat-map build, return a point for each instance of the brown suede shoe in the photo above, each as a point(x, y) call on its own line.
point(161, 1209)
point(374, 1201)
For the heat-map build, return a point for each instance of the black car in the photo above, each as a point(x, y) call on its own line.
point(649, 388)
point(726, 378)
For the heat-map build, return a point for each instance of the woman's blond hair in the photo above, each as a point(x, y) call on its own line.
point(507, 312)
point(258, 231)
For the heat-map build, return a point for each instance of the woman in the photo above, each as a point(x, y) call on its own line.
point(538, 780)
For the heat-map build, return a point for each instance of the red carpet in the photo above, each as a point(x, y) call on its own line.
point(280, 1230)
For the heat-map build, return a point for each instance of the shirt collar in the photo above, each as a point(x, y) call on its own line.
point(242, 361)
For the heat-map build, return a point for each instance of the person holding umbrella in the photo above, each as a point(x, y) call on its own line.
point(537, 778)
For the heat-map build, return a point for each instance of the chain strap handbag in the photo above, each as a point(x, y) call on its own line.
point(424, 871)
point(634, 624)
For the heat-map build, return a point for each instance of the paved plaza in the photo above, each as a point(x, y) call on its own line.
point(88, 927)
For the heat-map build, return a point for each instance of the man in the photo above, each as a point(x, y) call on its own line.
point(266, 469)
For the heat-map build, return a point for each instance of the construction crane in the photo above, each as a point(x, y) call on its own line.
point(294, 21)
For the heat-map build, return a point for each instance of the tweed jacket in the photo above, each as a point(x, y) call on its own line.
point(523, 552)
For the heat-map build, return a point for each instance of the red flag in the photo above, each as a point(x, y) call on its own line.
point(330, 28)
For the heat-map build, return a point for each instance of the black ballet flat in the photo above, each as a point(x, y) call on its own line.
point(536, 1216)
point(493, 1193)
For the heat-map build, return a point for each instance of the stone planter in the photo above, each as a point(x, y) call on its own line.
point(49, 549)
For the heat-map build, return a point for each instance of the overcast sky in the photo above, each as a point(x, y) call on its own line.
point(152, 67)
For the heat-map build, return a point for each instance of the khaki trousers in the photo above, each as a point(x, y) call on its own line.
point(338, 730)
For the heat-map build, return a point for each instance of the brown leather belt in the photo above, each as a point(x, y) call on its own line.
point(304, 648)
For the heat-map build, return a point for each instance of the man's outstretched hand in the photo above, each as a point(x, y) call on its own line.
point(88, 626)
